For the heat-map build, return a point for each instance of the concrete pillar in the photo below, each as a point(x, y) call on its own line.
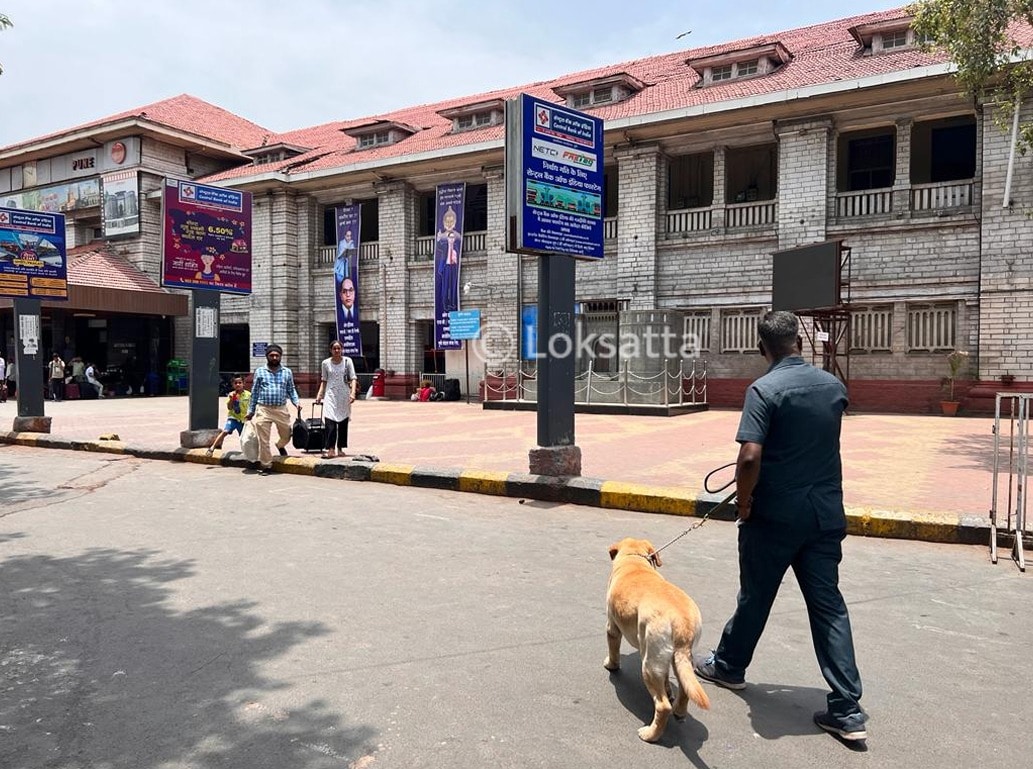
point(803, 156)
point(902, 178)
point(397, 211)
point(641, 174)
point(717, 220)
point(500, 318)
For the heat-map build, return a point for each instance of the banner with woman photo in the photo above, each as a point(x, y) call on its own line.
point(448, 256)
point(346, 279)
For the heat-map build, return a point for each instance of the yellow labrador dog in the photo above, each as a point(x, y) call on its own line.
point(659, 620)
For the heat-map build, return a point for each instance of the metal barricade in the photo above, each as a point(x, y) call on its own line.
point(1012, 472)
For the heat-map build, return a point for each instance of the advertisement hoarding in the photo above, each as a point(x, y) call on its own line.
point(554, 179)
point(33, 260)
point(207, 237)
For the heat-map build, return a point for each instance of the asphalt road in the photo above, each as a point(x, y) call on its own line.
point(159, 615)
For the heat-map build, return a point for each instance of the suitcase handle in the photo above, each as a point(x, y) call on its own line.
point(313, 411)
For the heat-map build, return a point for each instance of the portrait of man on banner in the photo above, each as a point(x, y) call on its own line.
point(448, 253)
point(346, 280)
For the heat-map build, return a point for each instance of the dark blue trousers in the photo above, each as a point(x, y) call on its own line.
point(766, 551)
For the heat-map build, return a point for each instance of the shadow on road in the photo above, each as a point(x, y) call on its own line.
point(778, 711)
point(99, 666)
point(688, 735)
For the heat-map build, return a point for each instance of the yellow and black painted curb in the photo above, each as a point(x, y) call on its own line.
point(669, 500)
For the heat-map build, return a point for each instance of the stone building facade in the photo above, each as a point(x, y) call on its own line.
point(715, 159)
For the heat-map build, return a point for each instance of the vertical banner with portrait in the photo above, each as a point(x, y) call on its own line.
point(346, 279)
point(448, 256)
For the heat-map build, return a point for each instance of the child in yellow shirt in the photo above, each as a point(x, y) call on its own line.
point(237, 405)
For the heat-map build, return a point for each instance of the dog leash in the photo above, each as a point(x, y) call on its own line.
point(723, 503)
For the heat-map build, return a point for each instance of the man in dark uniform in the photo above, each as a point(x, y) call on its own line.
point(789, 489)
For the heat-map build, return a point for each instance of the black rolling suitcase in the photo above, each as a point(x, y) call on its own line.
point(309, 434)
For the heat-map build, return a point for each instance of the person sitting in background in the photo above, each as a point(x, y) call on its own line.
point(424, 392)
point(91, 379)
point(78, 370)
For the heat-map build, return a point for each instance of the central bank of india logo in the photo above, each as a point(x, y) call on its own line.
point(544, 117)
point(5, 218)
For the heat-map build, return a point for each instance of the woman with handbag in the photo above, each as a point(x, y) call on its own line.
point(336, 394)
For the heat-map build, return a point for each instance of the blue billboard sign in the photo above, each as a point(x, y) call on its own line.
point(464, 324)
point(554, 178)
point(33, 261)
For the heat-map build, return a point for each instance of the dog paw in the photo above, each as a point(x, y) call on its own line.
point(611, 666)
point(648, 734)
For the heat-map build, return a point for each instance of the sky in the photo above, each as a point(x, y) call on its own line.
point(293, 65)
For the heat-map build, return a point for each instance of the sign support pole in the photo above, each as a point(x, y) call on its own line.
point(204, 362)
point(29, 360)
point(557, 454)
point(466, 346)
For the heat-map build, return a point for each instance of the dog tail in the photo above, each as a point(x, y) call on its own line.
point(687, 680)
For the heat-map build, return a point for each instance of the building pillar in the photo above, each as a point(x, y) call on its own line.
point(902, 176)
point(397, 213)
point(500, 322)
point(641, 178)
point(803, 156)
point(275, 267)
point(718, 214)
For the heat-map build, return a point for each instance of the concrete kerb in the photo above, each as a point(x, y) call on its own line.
point(926, 527)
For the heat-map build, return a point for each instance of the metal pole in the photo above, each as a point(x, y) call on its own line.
point(556, 351)
point(204, 360)
point(28, 357)
point(588, 382)
point(466, 346)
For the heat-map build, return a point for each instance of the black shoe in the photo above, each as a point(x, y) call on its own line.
point(283, 450)
point(707, 670)
point(849, 728)
point(265, 471)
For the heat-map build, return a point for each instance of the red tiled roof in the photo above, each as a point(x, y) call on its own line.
point(822, 53)
point(184, 113)
point(96, 266)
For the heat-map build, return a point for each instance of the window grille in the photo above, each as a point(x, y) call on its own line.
point(931, 327)
point(739, 330)
point(871, 329)
point(896, 39)
point(721, 73)
point(374, 139)
point(697, 330)
point(475, 120)
point(746, 68)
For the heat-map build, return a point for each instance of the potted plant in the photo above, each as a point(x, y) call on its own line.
point(956, 361)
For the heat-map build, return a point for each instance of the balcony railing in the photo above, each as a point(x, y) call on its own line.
point(368, 252)
point(864, 203)
point(689, 220)
point(739, 215)
point(473, 243)
point(935, 197)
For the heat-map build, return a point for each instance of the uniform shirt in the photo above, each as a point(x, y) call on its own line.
point(237, 405)
point(272, 388)
point(795, 412)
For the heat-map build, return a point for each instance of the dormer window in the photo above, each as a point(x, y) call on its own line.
point(379, 134)
point(374, 139)
point(592, 98)
point(885, 36)
point(595, 93)
point(727, 72)
point(737, 65)
point(274, 153)
point(470, 117)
